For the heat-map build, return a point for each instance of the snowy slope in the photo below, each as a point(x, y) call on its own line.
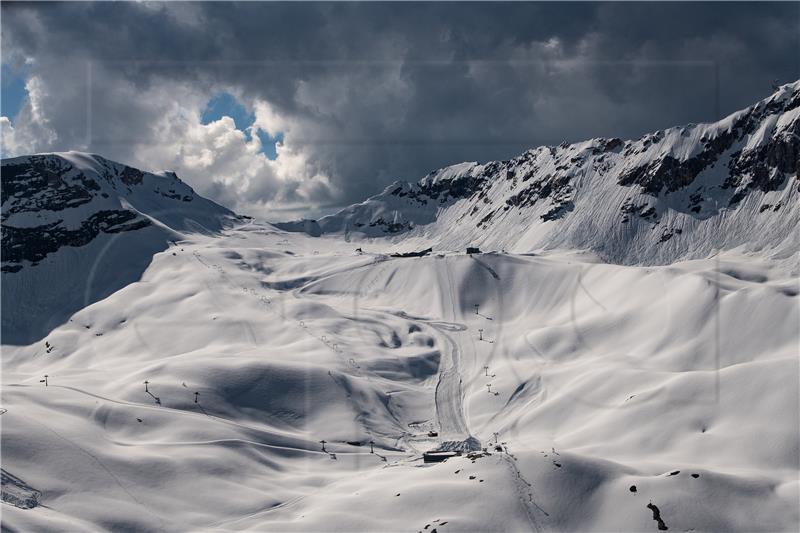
point(196, 362)
point(679, 193)
point(77, 227)
point(607, 388)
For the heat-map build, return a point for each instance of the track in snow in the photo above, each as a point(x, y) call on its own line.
point(449, 396)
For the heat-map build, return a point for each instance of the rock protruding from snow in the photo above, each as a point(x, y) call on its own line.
point(77, 227)
point(680, 193)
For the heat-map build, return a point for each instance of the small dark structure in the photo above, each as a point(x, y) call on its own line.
point(438, 456)
point(432, 433)
point(18, 493)
point(413, 254)
point(473, 250)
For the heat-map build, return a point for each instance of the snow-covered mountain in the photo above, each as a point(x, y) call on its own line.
point(77, 227)
point(674, 194)
point(168, 368)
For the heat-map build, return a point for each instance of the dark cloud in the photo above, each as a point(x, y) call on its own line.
point(369, 93)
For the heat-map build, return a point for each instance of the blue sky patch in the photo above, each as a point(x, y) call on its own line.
point(268, 143)
point(12, 92)
point(226, 105)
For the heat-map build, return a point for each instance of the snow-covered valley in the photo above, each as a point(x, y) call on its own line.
point(680, 381)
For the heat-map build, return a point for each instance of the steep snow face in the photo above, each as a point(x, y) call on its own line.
point(77, 227)
point(675, 194)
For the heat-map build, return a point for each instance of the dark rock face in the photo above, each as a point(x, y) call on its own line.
point(671, 174)
point(644, 211)
point(558, 211)
point(390, 227)
point(34, 244)
point(45, 183)
point(37, 189)
point(131, 176)
point(668, 233)
point(172, 195)
point(41, 185)
point(695, 202)
point(77, 227)
point(767, 166)
point(555, 186)
point(781, 154)
point(444, 190)
point(609, 145)
point(668, 173)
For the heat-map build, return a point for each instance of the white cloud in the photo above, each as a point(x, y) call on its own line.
point(364, 95)
point(160, 128)
point(31, 131)
point(228, 165)
point(9, 146)
point(268, 120)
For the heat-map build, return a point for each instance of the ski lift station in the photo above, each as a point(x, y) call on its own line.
point(439, 456)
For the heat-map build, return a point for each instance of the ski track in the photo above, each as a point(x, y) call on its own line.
point(449, 394)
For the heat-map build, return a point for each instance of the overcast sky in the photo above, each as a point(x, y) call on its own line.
point(281, 109)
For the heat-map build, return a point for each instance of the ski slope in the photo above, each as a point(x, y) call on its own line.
point(581, 379)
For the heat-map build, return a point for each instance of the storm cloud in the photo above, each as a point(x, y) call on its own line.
point(364, 94)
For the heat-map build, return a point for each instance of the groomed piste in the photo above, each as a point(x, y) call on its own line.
point(594, 379)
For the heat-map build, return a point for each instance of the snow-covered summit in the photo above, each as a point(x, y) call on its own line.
point(68, 199)
point(77, 227)
point(683, 192)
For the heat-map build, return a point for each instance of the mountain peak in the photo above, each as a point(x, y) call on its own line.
point(681, 192)
point(90, 223)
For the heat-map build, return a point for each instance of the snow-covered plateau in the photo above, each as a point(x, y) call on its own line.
point(622, 355)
